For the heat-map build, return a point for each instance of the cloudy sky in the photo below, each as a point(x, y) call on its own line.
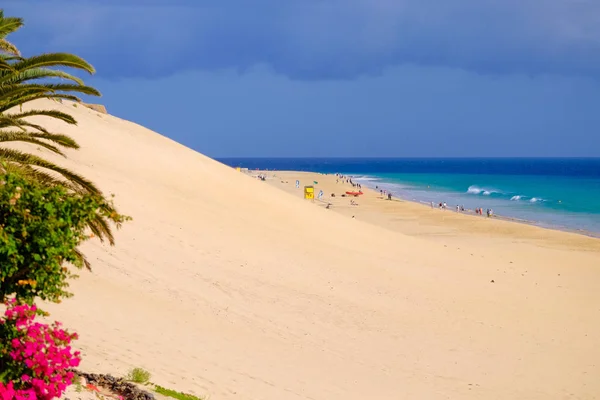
point(340, 77)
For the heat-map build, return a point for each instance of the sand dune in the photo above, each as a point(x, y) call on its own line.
point(226, 286)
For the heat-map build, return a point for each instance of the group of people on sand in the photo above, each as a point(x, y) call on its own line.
point(460, 208)
point(346, 179)
point(384, 193)
point(489, 212)
point(442, 206)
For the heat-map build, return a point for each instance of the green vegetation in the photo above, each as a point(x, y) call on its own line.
point(8, 25)
point(138, 375)
point(141, 376)
point(41, 228)
point(23, 80)
point(46, 212)
point(174, 394)
point(77, 384)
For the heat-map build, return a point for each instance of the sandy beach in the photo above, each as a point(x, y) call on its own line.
point(418, 219)
point(235, 288)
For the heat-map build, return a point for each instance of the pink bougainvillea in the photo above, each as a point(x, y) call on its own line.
point(35, 358)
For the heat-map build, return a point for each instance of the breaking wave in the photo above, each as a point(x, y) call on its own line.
point(483, 191)
point(473, 189)
point(365, 178)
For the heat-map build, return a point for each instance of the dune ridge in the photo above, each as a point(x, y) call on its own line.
point(225, 286)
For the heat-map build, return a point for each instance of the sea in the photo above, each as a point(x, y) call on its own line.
point(559, 193)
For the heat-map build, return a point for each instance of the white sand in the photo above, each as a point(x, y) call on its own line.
point(226, 286)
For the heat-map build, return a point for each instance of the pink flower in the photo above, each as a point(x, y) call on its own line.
point(40, 354)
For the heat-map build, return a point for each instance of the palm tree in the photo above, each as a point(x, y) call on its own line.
point(23, 80)
point(21, 84)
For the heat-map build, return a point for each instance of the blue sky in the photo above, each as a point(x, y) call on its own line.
point(340, 77)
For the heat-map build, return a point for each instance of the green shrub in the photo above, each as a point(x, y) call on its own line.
point(138, 375)
point(175, 395)
point(40, 229)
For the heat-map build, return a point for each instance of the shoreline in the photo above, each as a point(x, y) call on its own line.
point(509, 226)
point(466, 212)
point(471, 212)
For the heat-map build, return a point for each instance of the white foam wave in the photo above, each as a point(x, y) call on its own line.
point(365, 178)
point(473, 189)
point(535, 200)
point(516, 198)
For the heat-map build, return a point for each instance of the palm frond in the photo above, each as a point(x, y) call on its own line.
point(101, 229)
point(30, 159)
point(15, 77)
point(8, 121)
point(23, 125)
point(46, 113)
point(28, 138)
point(10, 57)
point(39, 175)
point(26, 99)
point(13, 92)
point(4, 66)
point(8, 47)
point(35, 138)
point(83, 259)
point(54, 60)
point(66, 87)
point(9, 25)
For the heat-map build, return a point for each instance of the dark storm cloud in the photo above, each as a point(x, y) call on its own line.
point(317, 39)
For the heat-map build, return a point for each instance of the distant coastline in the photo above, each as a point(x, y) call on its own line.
point(560, 194)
